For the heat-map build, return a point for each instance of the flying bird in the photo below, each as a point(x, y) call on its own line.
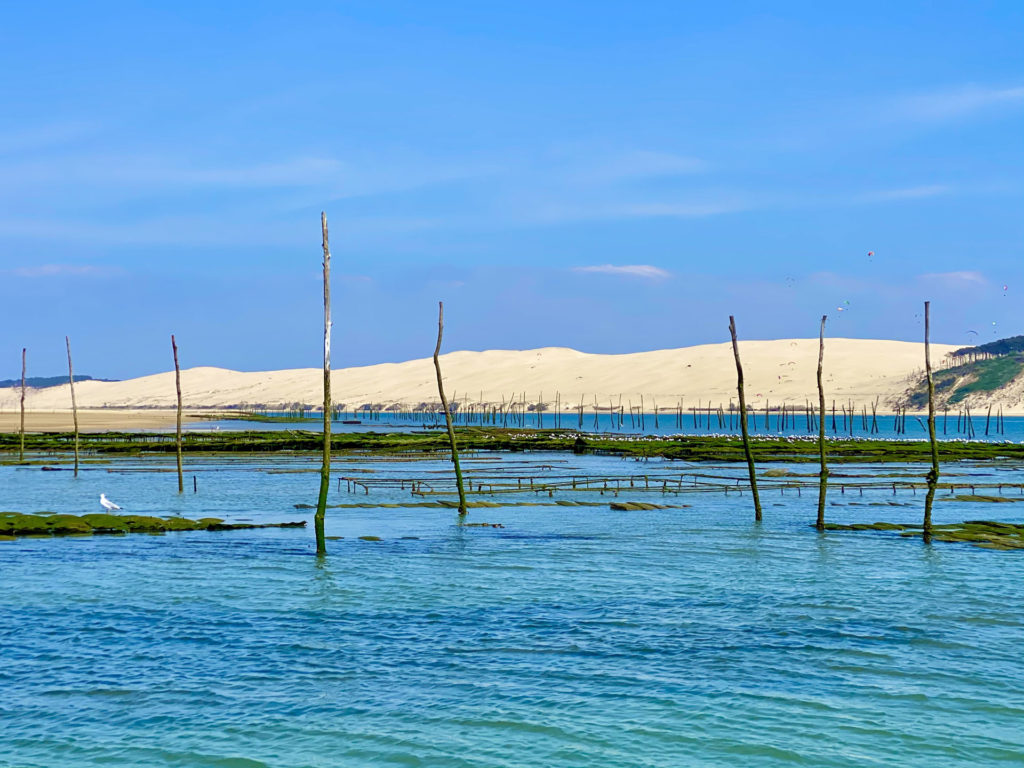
point(107, 504)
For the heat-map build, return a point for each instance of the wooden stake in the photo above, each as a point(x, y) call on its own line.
point(823, 472)
point(743, 421)
point(933, 475)
point(929, 501)
point(74, 405)
point(21, 429)
point(177, 436)
point(325, 466)
point(447, 415)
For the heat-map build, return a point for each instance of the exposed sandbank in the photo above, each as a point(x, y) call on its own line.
point(102, 420)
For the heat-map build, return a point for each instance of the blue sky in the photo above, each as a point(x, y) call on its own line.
point(608, 176)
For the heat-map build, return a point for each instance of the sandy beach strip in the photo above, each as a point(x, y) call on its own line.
point(94, 420)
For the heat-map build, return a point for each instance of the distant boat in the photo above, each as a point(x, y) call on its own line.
point(351, 421)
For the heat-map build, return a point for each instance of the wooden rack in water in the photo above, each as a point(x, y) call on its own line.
point(479, 483)
point(844, 418)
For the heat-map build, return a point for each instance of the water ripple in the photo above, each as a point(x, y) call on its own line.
point(573, 636)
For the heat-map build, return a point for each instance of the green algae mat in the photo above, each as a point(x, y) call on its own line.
point(987, 534)
point(13, 524)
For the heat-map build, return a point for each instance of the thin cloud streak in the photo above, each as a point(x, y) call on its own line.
point(955, 279)
point(148, 172)
point(675, 210)
point(65, 270)
point(908, 193)
point(639, 164)
point(645, 271)
point(958, 102)
point(41, 137)
point(558, 213)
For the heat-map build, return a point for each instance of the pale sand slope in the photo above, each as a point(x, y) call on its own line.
point(776, 371)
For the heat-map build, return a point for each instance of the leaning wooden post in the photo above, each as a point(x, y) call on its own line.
point(325, 467)
point(823, 472)
point(177, 436)
point(21, 449)
point(447, 413)
point(743, 421)
point(933, 474)
point(74, 405)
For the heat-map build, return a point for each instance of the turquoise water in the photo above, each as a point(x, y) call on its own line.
point(947, 426)
point(573, 636)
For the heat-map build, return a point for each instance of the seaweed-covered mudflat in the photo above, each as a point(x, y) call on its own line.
point(679, 447)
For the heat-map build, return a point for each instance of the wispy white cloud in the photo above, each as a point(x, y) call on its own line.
point(963, 278)
point(674, 210)
point(42, 136)
point(301, 182)
point(598, 207)
point(637, 164)
point(958, 102)
point(633, 270)
point(836, 281)
point(85, 190)
point(263, 228)
point(906, 193)
point(158, 173)
point(65, 270)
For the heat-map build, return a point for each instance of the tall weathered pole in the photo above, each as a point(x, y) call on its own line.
point(325, 467)
point(933, 474)
point(177, 434)
point(21, 449)
point(823, 472)
point(743, 421)
point(74, 405)
point(447, 412)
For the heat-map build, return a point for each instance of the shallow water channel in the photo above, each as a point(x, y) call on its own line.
point(573, 635)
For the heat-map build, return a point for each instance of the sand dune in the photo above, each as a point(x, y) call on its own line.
point(776, 371)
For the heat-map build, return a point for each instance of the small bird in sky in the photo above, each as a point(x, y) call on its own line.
point(107, 504)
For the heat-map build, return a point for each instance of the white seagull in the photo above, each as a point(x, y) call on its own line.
point(107, 504)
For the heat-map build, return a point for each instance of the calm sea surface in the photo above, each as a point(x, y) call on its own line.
point(573, 636)
point(982, 427)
